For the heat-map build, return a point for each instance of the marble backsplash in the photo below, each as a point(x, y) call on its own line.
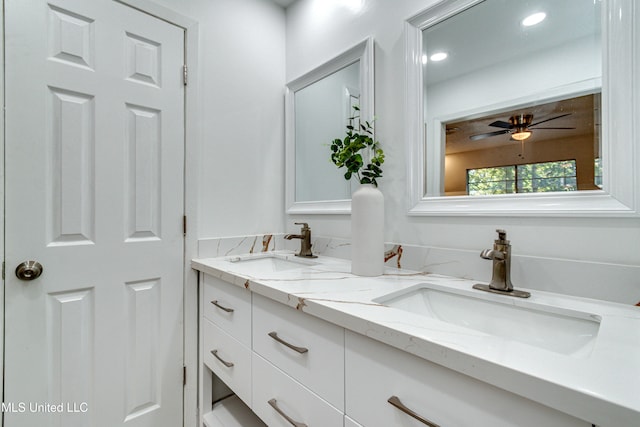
point(603, 281)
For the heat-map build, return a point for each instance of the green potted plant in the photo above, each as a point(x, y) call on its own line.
point(358, 144)
point(367, 202)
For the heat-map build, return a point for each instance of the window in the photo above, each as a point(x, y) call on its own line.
point(598, 172)
point(528, 178)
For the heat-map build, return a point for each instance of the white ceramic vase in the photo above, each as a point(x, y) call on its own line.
point(367, 231)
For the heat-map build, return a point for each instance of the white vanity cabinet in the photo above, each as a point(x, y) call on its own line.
point(281, 401)
point(298, 366)
point(283, 364)
point(229, 307)
point(376, 372)
point(225, 350)
point(308, 349)
point(291, 367)
point(226, 332)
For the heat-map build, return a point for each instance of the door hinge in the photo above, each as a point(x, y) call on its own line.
point(184, 225)
point(184, 375)
point(184, 74)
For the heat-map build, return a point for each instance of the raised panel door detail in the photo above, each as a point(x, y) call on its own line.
point(143, 60)
point(142, 393)
point(143, 173)
point(71, 151)
point(71, 38)
point(71, 336)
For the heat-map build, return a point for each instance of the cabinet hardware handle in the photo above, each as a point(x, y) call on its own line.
point(224, 362)
point(300, 350)
point(274, 405)
point(396, 402)
point(228, 310)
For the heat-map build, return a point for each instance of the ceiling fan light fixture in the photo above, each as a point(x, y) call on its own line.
point(521, 136)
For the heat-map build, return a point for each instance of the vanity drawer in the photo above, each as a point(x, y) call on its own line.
point(229, 307)
point(272, 387)
point(440, 395)
point(233, 362)
point(318, 359)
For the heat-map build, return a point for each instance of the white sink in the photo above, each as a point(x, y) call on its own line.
point(553, 328)
point(269, 263)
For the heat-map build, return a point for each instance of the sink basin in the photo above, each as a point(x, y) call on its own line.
point(556, 329)
point(270, 263)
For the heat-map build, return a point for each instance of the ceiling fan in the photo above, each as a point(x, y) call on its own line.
point(519, 126)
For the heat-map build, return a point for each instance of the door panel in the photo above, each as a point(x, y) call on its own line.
point(95, 163)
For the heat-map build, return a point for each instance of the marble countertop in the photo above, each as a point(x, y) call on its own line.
point(602, 387)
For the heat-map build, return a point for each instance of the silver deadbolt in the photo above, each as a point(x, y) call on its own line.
point(29, 270)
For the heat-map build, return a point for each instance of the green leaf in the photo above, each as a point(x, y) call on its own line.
point(356, 144)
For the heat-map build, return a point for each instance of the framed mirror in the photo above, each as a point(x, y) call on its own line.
point(508, 116)
point(317, 109)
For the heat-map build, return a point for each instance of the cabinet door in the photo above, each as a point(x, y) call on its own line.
point(277, 396)
point(376, 372)
point(229, 307)
point(228, 359)
point(318, 359)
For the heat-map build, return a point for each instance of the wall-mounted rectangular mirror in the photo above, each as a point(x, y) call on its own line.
point(318, 106)
point(515, 108)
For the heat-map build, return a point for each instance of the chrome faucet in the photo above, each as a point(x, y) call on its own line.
point(501, 277)
point(305, 240)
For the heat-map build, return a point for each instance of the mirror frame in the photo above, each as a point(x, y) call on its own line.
point(620, 150)
point(362, 52)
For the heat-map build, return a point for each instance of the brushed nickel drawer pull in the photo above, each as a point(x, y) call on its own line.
point(396, 402)
point(300, 350)
point(228, 310)
point(224, 362)
point(274, 405)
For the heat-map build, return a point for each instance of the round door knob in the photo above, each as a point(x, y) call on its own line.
point(29, 270)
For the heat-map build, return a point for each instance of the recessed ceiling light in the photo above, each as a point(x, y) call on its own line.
point(534, 19)
point(439, 56)
point(424, 59)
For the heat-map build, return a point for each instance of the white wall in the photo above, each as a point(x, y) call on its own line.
point(315, 33)
point(241, 78)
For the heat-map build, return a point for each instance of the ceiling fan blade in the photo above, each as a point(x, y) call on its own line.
point(549, 128)
point(488, 135)
point(501, 124)
point(548, 120)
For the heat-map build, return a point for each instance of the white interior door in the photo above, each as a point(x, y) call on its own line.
point(94, 175)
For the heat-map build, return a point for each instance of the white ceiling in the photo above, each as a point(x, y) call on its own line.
point(490, 33)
